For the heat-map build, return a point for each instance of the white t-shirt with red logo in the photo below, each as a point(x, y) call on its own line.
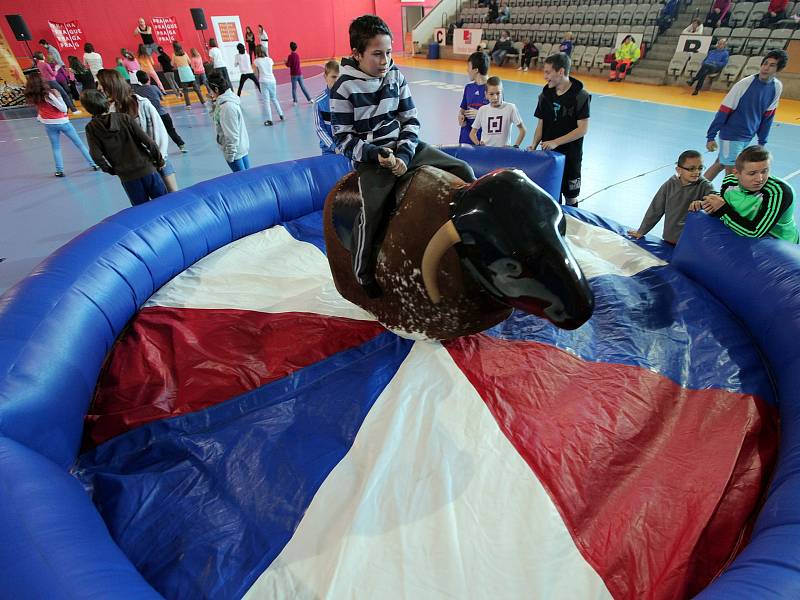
point(495, 123)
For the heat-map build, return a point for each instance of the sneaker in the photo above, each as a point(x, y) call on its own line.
point(189, 107)
point(519, 68)
point(689, 82)
point(268, 123)
point(95, 168)
point(525, 69)
point(59, 173)
point(183, 149)
point(281, 117)
point(694, 93)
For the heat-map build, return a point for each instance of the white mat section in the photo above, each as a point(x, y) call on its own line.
point(269, 271)
point(431, 502)
point(603, 252)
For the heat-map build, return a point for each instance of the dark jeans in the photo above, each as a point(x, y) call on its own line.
point(244, 77)
point(768, 20)
point(298, 80)
point(377, 184)
point(168, 124)
point(705, 71)
point(240, 164)
point(712, 19)
point(141, 190)
point(526, 60)
point(185, 87)
point(499, 56)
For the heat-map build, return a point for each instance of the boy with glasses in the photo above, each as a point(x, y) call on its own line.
point(674, 197)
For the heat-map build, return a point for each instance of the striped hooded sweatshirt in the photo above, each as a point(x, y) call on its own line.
point(767, 212)
point(368, 113)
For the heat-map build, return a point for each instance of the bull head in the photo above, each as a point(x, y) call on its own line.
point(509, 235)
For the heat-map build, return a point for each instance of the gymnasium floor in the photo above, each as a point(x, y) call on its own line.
point(636, 133)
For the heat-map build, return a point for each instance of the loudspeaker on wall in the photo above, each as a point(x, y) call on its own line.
point(199, 18)
point(19, 27)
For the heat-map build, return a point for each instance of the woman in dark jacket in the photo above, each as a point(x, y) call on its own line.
point(169, 71)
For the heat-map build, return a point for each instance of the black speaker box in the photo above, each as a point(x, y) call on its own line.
point(199, 18)
point(18, 26)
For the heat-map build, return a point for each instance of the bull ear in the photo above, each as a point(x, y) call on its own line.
point(445, 238)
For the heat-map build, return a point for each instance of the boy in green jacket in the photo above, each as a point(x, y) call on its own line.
point(752, 202)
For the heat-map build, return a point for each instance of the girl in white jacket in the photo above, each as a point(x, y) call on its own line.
point(124, 100)
point(229, 123)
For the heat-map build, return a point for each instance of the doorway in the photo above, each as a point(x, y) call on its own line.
point(411, 16)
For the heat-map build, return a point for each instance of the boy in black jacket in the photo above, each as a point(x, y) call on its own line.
point(120, 147)
point(563, 113)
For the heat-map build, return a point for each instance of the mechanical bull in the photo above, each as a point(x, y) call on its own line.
point(457, 258)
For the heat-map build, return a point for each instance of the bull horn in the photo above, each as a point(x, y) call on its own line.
point(445, 238)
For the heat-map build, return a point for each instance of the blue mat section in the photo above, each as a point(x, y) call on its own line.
point(199, 502)
point(662, 321)
point(308, 229)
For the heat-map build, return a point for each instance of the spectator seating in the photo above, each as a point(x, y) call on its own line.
point(600, 58)
point(751, 67)
point(779, 39)
point(738, 39)
point(731, 72)
point(678, 63)
point(587, 61)
point(756, 40)
point(739, 14)
point(693, 66)
point(758, 12)
point(577, 55)
point(720, 32)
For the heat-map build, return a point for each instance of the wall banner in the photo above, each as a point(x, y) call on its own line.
point(166, 29)
point(69, 35)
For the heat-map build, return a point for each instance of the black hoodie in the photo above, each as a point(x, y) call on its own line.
point(120, 146)
point(560, 114)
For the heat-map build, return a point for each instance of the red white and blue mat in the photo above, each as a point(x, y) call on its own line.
point(262, 437)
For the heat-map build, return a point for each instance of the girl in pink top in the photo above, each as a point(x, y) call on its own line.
point(48, 75)
point(198, 68)
point(130, 63)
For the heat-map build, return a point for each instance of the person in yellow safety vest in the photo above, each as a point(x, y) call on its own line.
point(627, 54)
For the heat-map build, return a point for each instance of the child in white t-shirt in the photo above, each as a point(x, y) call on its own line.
point(263, 69)
point(242, 62)
point(495, 119)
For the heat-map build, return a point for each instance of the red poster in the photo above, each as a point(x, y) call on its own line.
point(166, 29)
point(68, 35)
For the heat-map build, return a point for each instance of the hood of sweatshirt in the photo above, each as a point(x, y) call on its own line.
point(228, 96)
point(108, 123)
point(350, 68)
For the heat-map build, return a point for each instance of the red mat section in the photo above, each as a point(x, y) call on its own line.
point(174, 361)
point(657, 484)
